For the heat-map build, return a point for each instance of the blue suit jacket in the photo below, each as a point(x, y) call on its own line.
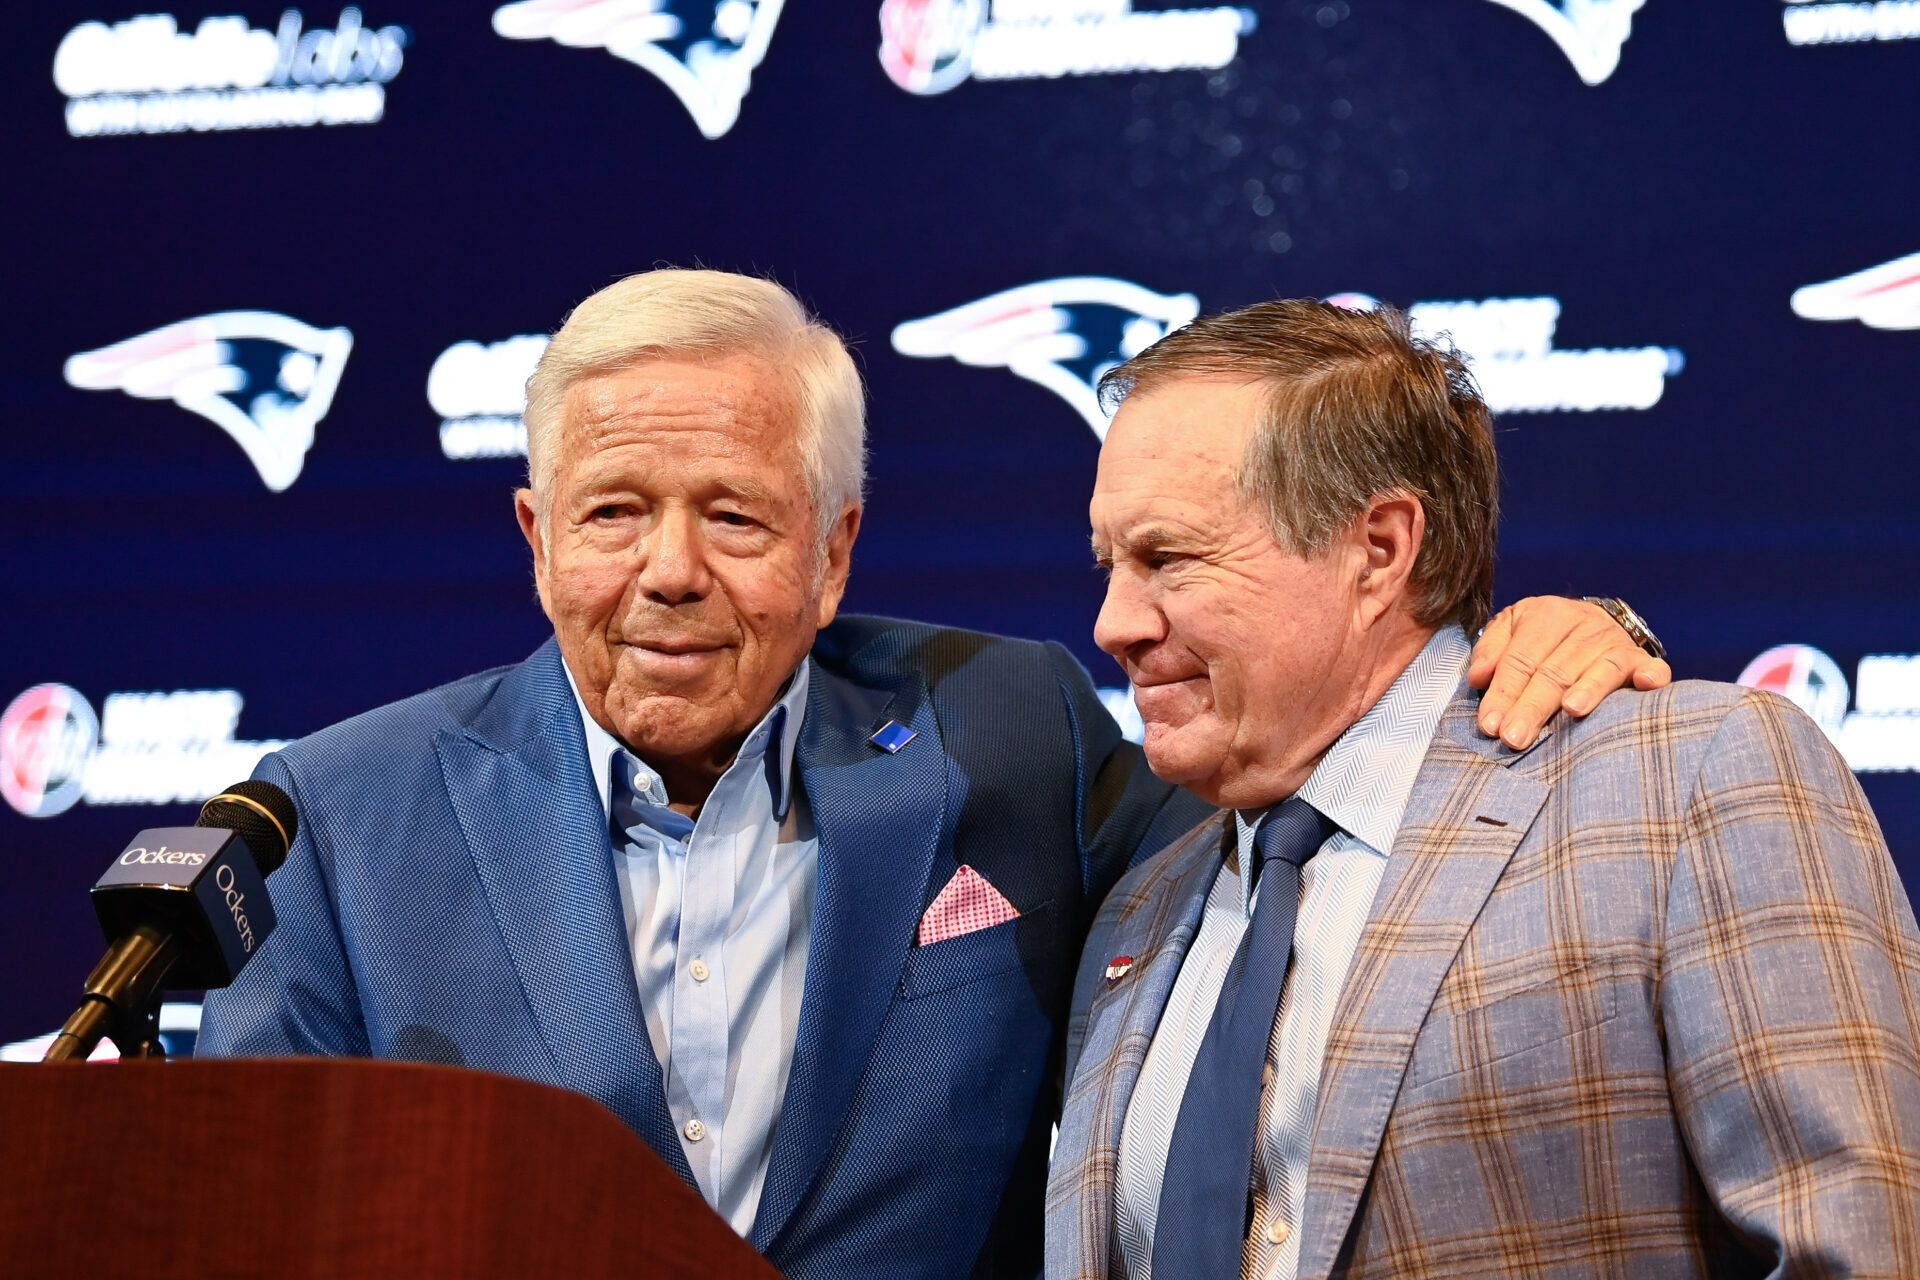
point(451, 898)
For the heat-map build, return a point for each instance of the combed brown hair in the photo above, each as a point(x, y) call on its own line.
point(1359, 407)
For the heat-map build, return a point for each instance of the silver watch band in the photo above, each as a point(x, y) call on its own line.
point(1632, 623)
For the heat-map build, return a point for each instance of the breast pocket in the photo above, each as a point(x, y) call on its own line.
point(1528, 1036)
point(971, 957)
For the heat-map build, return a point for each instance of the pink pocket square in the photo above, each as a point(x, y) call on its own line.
point(967, 905)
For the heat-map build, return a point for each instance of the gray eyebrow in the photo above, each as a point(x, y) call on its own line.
point(744, 489)
point(1154, 537)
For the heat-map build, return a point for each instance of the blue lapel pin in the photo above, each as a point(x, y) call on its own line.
point(892, 736)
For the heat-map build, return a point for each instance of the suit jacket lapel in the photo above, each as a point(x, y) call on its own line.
point(1160, 916)
point(1466, 816)
point(878, 818)
point(531, 815)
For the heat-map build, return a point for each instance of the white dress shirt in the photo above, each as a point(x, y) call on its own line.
point(719, 916)
point(1363, 784)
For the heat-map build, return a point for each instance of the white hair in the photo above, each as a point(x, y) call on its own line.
point(674, 312)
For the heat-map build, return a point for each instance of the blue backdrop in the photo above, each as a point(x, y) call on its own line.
point(275, 275)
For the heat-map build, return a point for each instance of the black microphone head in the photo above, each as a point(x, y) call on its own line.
point(260, 814)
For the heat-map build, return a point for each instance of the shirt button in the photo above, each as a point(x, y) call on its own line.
point(699, 970)
point(1277, 1231)
point(1266, 1076)
point(694, 1131)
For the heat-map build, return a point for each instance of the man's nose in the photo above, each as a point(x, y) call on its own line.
point(1127, 616)
point(673, 567)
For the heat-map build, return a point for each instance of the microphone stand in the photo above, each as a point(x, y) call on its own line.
point(122, 1000)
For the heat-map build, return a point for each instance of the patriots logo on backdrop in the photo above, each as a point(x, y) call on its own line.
point(1589, 32)
point(705, 52)
point(264, 379)
point(1882, 297)
point(1063, 334)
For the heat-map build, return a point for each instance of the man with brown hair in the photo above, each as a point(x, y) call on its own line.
point(1641, 998)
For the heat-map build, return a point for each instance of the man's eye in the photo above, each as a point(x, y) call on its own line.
point(738, 520)
point(609, 511)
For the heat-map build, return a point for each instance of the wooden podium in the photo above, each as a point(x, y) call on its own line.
point(336, 1168)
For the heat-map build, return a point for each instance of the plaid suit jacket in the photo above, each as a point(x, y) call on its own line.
point(1642, 1000)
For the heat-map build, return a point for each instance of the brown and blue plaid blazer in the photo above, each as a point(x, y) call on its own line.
point(1642, 1000)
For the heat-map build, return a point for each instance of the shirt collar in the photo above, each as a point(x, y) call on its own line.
point(1364, 781)
point(781, 724)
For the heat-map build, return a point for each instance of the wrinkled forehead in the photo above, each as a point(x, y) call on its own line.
point(1181, 442)
point(1190, 415)
point(680, 383)
point(683, 408)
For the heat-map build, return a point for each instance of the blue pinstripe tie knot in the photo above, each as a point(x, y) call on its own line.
point(1201, 1228)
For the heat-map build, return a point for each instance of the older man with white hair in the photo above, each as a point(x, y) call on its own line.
point(797, 897)
point(1642, 999)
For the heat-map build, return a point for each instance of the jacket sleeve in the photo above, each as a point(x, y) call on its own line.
point(1790, 997)
point(1125, 815)
point(297, 994)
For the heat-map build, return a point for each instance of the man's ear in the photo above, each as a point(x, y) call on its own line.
point(532, 529)
point(837, 563)
point(1387, 534)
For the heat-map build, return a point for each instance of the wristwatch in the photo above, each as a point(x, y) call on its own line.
point(1631, 622)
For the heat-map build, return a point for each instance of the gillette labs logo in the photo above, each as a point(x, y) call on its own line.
point(144, 748)
point(480, 392)
point(704, 52)
point(146, 75)
point(1811, 22)
point(929, 46)
point(1508, 342)
point(1882, 297)
point(1590, 32)
point(264, 379)
point(1882, 732)
point(1064, 334)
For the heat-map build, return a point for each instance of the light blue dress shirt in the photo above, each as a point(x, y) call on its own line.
point(1363, 784)
point(719, 916)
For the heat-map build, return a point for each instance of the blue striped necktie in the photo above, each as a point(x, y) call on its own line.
point(1201, 1229)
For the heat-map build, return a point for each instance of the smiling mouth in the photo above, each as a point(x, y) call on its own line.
point(674, 658)
point(1164, 698)
point(1141, 684)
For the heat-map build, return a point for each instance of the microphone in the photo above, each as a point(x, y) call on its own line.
point(180, 907)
